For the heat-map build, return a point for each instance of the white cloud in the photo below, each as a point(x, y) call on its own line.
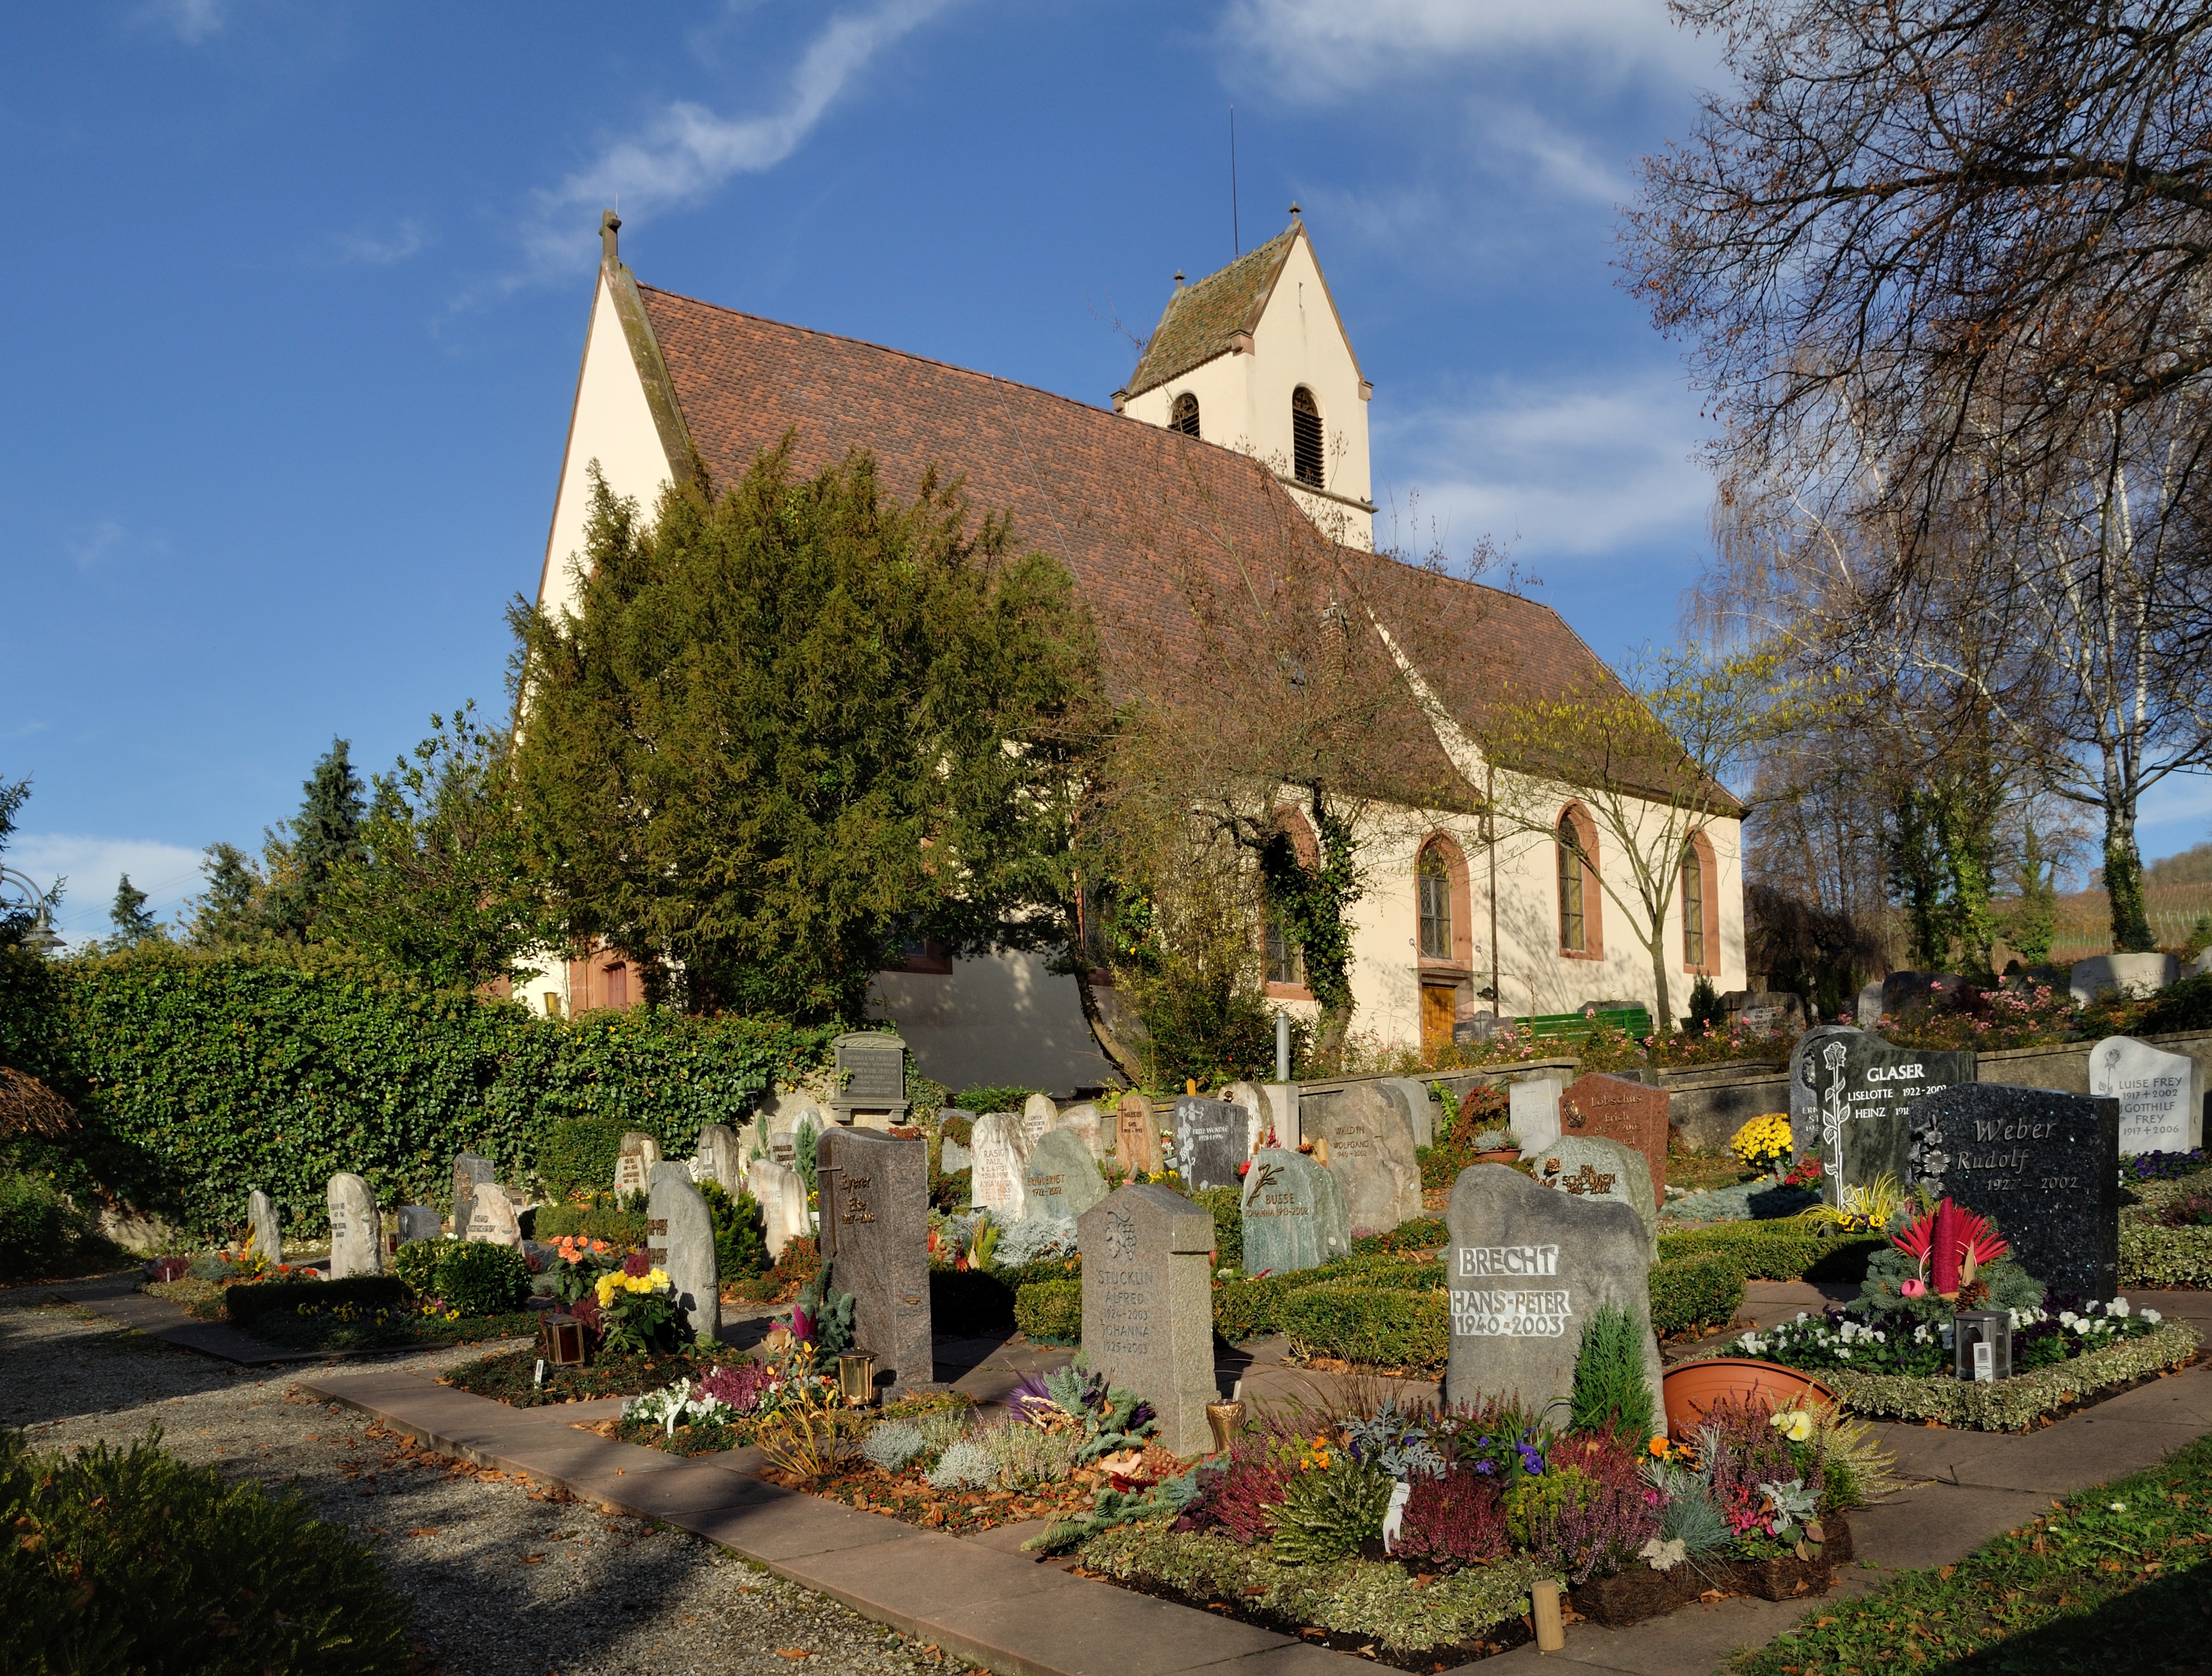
point(376, 250)
point(687, 151)
point(168, 873)
point(104, 544)
point(1563, 470)
point(190, 21)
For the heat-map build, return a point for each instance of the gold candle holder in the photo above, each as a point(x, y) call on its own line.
point(856, 1378)
point(1226, 1418)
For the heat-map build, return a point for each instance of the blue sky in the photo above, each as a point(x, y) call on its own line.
point(297, 296)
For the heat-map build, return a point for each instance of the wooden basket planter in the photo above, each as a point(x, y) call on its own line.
point(1691, 1388)
point(1638, 1592)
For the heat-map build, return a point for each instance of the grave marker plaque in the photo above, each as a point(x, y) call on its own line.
point(1039, 1117)
point(872, 1073)
point(1527, 1269)
point(468, 1171)
point(1590, 1167)
point(1148, 1305)
point(679, 1240)
point(1850, 1096)
point(356, 1231)
point(1602, 1108)
point(875, 1238)
point(1136, 1136)
point(999, 1149)
point(1293, 1214)
point(1212, 1139)
point(1371, 1153)
point(2045, 1167)
point(492, 1219)
point(634, 1163)
point(419, 1222)
point(1533, 1112)
point(2160, 1111)
point(261, 1217)
point(1059, 1179)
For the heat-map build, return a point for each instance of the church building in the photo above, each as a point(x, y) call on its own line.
point(1245, 418)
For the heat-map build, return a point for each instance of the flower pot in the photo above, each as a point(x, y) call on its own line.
point(1691, 1388)
point(1507, 1156)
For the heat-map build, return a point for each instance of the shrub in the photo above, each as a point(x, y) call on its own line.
point(2153, 1250)
point(1050, 1311)
point(1246, 1308)
point(136, 1562)
point(1610, 1391)
point(416, 1263)
point(580, 1152)
point(480, 1278)
point(1328, 1514)
point(1375, 1326)
point(623, 1229)
point(974, 1302)
point(245, 1305)
point(1226, 1207)
point(1691, 1292)
point(986, 1097)
point(1456, 1519)
point(39, 1226)
point(740, 1232)
point(2186, 1006)
point(1783, 1249)
point(1421, 1233)
point(892, 1445)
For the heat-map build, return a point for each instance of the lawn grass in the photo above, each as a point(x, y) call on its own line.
point(2107, 1581)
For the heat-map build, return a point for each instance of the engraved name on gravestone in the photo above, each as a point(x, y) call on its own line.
point(492, 1216)
point(356, 1231)
point(419, 1222)
point(1293, 1214)
point(1850, 1096)
point(999, 1149)
point(1603, 1107)
point(261, 1217)
point(1148, 1305)
point(1370, 1152)
point(1039, 1115)
point(633, 1163)
point(2045, 1167)
point(1087, 1123)
point(719, 1159)
point(1532, 1109)
point(1136, 1136)
point(468, 1170)
point(2157, 1092)
point(1527, 1269)
point(874, 1190)
point(1590, 1167)
point(1061, 1180)
point(1212, 1139)
point(679, 1236)
point(871, 1069)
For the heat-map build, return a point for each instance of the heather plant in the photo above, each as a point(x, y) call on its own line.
point(1744, 1451)
point(1606, 1515)
point(1457, 1519)
point(893, 1446)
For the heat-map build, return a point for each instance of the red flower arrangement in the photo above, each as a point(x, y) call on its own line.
point(1956, 1242)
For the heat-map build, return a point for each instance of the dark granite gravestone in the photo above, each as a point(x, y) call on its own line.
point(871, 1069)
point(1136, 1136)
point(419, 1222)
point(1061, 1180)
point(1148, 1305)
point(2045, 1167)
point(1212, 1138)
point(1850, 1092)
point(468, 1171)
point(1370, 1151)
point(356, 1231)
point(1527, 1269)
point(874, 1190)
point(679, 1240)
point(1604, 1108)
point(1293, 1214)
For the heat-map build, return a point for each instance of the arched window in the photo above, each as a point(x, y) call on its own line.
point(1432, 884)
point(1580, 908)
point(1183, 416)
point(1286, 955)
point(1306, 452)
point(1701, 912)
point(1286, 960)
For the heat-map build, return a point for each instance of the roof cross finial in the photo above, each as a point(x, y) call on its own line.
point(609, 224)
point(1178, 279)
point(1294, 212)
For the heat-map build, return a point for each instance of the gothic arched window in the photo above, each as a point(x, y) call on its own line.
point(1306, 452)
point(1183, 416)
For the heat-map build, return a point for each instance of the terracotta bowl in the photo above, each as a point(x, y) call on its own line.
point(1691, 1388)
point(1507, 1156)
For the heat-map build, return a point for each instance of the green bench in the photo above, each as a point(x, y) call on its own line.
point(1636, 1021)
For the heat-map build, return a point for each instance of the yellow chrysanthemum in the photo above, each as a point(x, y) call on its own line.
point(1763, 1142)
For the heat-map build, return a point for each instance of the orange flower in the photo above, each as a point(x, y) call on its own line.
point(1658, 1446)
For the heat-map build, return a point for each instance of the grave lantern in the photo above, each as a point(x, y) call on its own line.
point(1981, 1345)
point(856, 1378)
point(564, 1340)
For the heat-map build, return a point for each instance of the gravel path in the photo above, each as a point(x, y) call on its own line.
point(503, 1581)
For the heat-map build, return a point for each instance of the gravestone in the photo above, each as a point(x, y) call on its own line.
point(1763, 1011)
point(719, 1159)
point(1869, 1011)
point(2160, 1108)
point(871, 1077)
point(1591, 1166)
point(1061, 1180)
point(468, 1170)
point(419, 1222)
point(771, 1130)
point(1293, 1214)
point(1532, 1112)
point(2045, 1167)
point(875, 1239)
point(1419, 1106)
point(261, 1217)
point(1282, 1111)
point(634, 1163)
point(1000, 1149)
point(492, 1219)
point(1136, 1136)
point(952, 1156)
point(1527, 1269)
point(1259, 1115)
point(1148, 1306)
point(356, 1231)
point(2132, 976)
point(1605, 1107)
point(1039, 1116)
point(679, 1240)
point(1904, 994)
point(1212, 1138)
point(1088, 1125)
point(1371, 1153)
point(781, 1192)
point(1850, 1092)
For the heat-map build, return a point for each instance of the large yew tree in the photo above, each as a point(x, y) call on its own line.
point(796, 725)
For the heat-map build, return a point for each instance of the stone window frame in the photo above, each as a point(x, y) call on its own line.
point(1702, 958)
point(1182, 414)
point(1440, 854)
point(1309, 452)
point(1588, 895)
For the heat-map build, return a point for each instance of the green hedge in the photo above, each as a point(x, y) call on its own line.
point(580, 1152)
point(2152, 1254)
point(1421, 1233)
point(247, 1305)
point(39, 1226)
point(1051, 1311)
point(1702, 1290)
point(200, 1077)
point(1226, 1207)
point(623, 1229)
point(975, 1302)
point(1375, 1326)
point(1783, 1249)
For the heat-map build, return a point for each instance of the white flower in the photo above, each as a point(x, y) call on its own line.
point(2153, 1316)
point(2119, 1507)
point(2119, 1307)
point(2067, 1318)
point(1845, 1354)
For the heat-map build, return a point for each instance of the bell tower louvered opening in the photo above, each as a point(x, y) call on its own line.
point(1305, 437)
point(1183, 416)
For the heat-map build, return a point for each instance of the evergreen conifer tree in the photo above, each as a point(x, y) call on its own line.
point(133, 923)
point(228, 914)
point(322, 838)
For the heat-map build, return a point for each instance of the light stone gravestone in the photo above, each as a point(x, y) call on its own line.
point(1254, 1104)
point(719, 1159)
point(261, 1217)
point(1136, 1136)
point(492, 1219)
point(952, 1156)
point(635, 1163)
point(2045, 1167)
point(1850, 1095)
point(781, 1192)
point(1148, 1306)
point(1414, 1098)
point(679, 1240)
point(1527, 1269)
point(1371, 1153)
point(1532, 1112)
point(872, 1074)
point(1868, 1011)
point(419, 1222)
point(1293, 1214)
point(1282, 1111)
point(1039, 1115)
point(875, 1241)
point(1212, 1139)
point(2133, 976)
point(1767, 1011)
point(2160, 1110)
point(1061, 1180)
point(356, 1231)
point(1607, 1107)
point(1591, 1166)
point(468, 1171)
point(1087, 1123)
point(1001, 1147)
